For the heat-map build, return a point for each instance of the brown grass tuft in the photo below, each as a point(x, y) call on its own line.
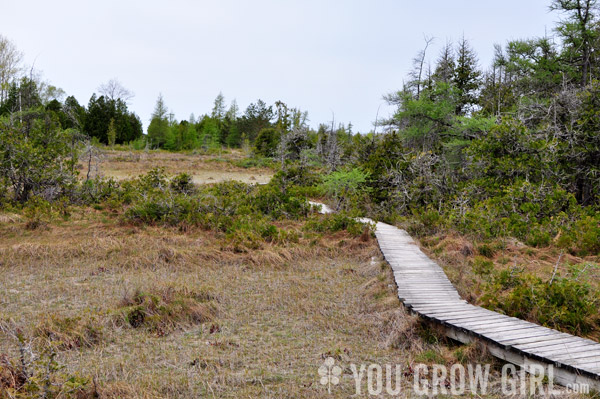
point(66, 333)
point(164, 310)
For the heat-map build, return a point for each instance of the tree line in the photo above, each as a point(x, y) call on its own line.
point(20, 92)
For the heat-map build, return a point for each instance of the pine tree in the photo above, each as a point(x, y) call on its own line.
point(446, 65)
point(232, 113)
point(218, 111)
point(112, 132)
point(467, 78)
point(159, 124)
point(579, 32)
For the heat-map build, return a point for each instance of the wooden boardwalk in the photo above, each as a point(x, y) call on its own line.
point(424, 289)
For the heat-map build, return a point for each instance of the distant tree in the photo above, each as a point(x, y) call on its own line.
point(99, 114)
point(112, 132)
point(29, 94)
point(233, 111)
point(266, 142)
point(22, 95)
point(579, 32)
point(74, 114)
point(580, 146)
point(190, 137)
point(114, 90)
point(209, 133)
point(534, 66)
point(218, 111)
point(467, 77)
point(49, 93)
point(159, 124)
point(256, 117)
point(416, 81)
point(234, 138)
point(10, 66)
point(446, 65)
point(132, 128)
point(333, 150)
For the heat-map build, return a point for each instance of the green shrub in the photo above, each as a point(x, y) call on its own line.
point(38, 212)
point(564, 303)
point(255, 162)
point(483, 267)
point(432, 220)
point(182, 183)
point(37, 155)
point(587, 233)
point(266, 142)
point(538, 238)
point(334, 222)
point(486, 250)
point(345, 186)
point(155, 178)
point(138, 144)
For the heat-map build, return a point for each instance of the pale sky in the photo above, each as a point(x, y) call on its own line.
point(327, 56)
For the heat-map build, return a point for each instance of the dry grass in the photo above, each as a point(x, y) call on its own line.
point(280, 310)
point(203, 168)
point(223, 323)
point(155, 312)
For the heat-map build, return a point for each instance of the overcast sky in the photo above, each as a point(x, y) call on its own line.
point(323, 56)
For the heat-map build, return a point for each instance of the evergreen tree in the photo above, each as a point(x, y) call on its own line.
point(446, 65)
point(579, 33)
point(256, 117)
point(112, 132)
point(467, 78)
point(233, 111)
point(218, 111)
point(159, 124)
point(100, 112)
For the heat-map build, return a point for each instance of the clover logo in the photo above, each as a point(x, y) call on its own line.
point(329, 373)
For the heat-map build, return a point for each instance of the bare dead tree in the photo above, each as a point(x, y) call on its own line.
point(93, 157)
point(419, 65)
point(114, 90)
point(332, 147)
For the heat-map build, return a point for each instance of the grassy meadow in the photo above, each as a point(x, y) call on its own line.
point(100, 307)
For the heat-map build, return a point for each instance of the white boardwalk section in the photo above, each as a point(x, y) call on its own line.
point(424, 288)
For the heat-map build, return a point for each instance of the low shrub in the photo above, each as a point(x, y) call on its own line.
point(255, 162)
point(587, 235)
point(38, 212)
point(563, 303)
point(347, 187)
point(483, 267)
point(43, 378)
point(486, 250)
point(182, 183)
point(334, 222)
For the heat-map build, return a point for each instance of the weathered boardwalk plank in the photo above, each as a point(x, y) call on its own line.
point(514, 340)
point(425, 289)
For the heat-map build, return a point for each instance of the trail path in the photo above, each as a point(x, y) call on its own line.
point(424, 289)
